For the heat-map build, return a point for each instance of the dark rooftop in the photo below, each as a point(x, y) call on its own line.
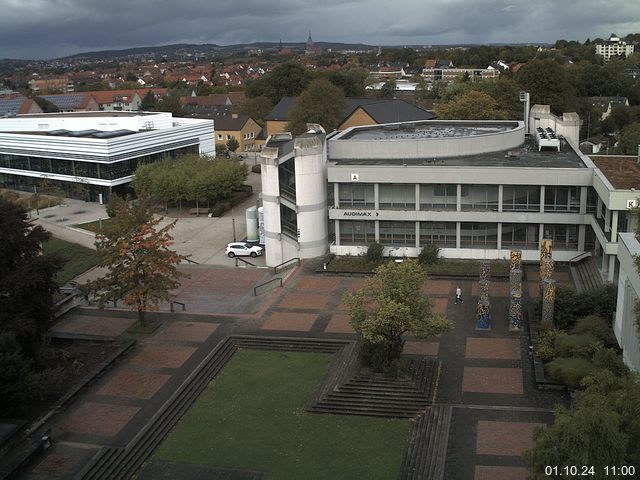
point(426, 130)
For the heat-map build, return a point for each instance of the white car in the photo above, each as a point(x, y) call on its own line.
point(242, 249)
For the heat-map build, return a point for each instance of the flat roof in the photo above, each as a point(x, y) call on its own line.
point(427, 130)
point(622, 171)
point(87, 114)
point(527, 155)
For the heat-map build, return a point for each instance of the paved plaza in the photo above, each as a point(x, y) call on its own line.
point(486, 376)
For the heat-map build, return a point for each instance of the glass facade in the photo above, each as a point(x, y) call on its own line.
point(353, 232)
point(287, 176)
point(521, 198)
point(397, 197)
point(479, 197)
point(289, 222)
point(442, 234)
point(438, 196)
point(565, 237)
point(478, 235)
point(99, 170)
point(400, 234)
point(562, 199)
point(520, 235)
point(359, 195)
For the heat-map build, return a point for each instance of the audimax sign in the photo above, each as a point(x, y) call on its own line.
point(359, 213)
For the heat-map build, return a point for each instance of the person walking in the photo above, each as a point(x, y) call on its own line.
point(458, 295)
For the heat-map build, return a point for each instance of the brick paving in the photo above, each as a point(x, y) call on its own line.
point(154, 356)
point(129, 384)
point(99, 419)
point(492, 380)
point(505, 438)
point(297, 322)
point(187, 331)
point(90, 325)
point(304, 300)
point(415, 347)
point(339, 323)
point(478, 368)
point(493, 348)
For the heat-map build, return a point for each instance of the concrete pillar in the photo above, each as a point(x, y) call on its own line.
point(337, 231)
point(417, 234)
point(271, 205)
point(336, 195)
point(458, 234)
point(376, 196)
point(417, 195)
point(583, 200)
point(541, 200)
point(612, 269)
point(500, 198)
point(582, 235)
point(459, 198)
point(377, 230)
point(499, 235)
point(614, 226)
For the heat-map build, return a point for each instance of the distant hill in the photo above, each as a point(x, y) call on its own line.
point(203, 49)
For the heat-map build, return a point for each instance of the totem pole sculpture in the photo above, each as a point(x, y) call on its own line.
point(547, 284)
point(483, 310)
point(515, 291)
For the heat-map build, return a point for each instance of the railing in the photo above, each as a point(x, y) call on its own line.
point(286, 265)
point(580, 256)
point(243, 261)
point(265, 284)
point(184, 307)
point(188, 260)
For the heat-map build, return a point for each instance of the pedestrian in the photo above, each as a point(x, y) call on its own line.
point(458, 295)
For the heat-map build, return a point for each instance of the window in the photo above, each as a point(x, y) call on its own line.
point(478, 235)
point(356, 195)
point(592, 200)
point(287, 175)
point(289, 222)
point(564, 237)
point(355, 232)
point(402, 234)
point(438, 196)
point(562, 199)
point(521, 235)
point(219, 136)
point(442, 234)
point(480, 197)
point(521, 198)
point(228, 137)
point(397, 197)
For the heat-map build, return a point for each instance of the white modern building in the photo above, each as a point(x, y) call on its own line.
point(625, 324)
point(97, 150)
point(613, 47)
point(476, 189)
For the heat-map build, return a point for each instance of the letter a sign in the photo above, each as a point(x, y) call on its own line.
point(355, 177)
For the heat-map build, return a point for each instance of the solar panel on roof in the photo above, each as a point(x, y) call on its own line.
point(66, 101)
point(84, 133)
point(112, 133)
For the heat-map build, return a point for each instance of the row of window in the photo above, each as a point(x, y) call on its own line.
point(76, 168)
point(443, 234)
point(473, 197)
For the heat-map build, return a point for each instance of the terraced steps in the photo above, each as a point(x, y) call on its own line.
point(380, 396)
point(427, 448)
point(121, 463)
point(586, 274)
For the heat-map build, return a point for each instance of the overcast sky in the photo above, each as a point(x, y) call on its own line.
point(55, 28)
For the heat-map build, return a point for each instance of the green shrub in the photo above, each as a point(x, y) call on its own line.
point(575, 345)
point(429, 255)
point(593, 325)
point(374, 252)
point(546, 344)
point(610, 359)
point(569, 371)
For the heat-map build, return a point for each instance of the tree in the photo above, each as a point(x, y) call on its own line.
point(171, 103)
point(352, 80)
point(286, 80)
point(630, 139)
point(233, 144)
point(603, 428)
point(472, 105)
point(26, 278)
point(388, 89)
point(149, 102)
point(256, 108)
point(321, 102)
point(549, 84)
point(390, 305)
point(142, 270)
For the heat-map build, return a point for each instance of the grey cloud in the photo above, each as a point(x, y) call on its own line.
point(50, 28)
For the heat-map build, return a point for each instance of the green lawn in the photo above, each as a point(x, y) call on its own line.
point(78, 259)
point(252, 417)
point(94, 226)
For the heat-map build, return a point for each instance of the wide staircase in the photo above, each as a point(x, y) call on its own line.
point(426, 451)
point(585, 273)
point(377, 395)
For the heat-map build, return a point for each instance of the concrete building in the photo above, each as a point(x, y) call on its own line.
point(93, 152)
point(476, 189)
point(613, 47)
point(625, 326)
